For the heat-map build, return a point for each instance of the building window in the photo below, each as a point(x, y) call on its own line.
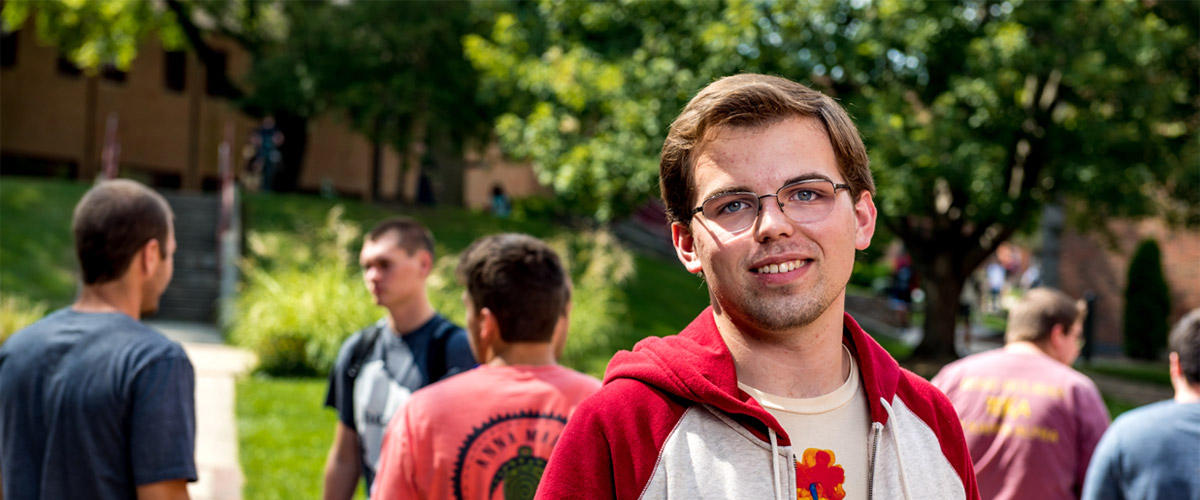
point(215, 76)
point(175, 70)
point(8, 49)
point(112, 73)
point(68, 68)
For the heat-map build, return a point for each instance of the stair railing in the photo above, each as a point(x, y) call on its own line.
point(229, 231)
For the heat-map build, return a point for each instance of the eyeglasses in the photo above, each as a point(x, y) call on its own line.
point(809, 200)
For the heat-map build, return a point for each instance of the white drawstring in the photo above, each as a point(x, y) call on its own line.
point(896, 444)
point(774, 464)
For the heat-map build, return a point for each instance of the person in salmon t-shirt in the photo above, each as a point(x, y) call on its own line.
point(488, 433)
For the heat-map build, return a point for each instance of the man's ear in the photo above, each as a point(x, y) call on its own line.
point(489, 328)
point(864, 218)
point(426, 260)
point(150, 257)
point(1174, 369)
point(685, 248)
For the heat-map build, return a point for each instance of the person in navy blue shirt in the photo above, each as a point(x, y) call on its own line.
point(379, 367)
point(93, 403)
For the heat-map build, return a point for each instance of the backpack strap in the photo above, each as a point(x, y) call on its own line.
point(437, 350)
point(366, 342)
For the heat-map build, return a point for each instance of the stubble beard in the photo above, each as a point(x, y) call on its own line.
point(780, 310)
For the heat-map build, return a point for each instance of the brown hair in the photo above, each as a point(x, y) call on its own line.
point(747, 101)
point(412, 235)
point(521, 280)
point(1032, 318)
point(112, 222)
point(1185, 342)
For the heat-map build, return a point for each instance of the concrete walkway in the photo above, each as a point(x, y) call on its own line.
point(217, 365)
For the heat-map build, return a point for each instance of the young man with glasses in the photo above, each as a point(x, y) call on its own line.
point(1031, 421)
point(774, 391)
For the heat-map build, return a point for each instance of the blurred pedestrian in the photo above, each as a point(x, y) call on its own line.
point(94, 403)
point(267, 156)
point(995, 280)
point(517, 299)
point(501, 205)
point(1031, 422)
point(1153, 452)
point(380, 366)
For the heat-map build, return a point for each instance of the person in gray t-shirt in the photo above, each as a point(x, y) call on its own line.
point(378, 367)
point(93, 403)
point(1153, 452)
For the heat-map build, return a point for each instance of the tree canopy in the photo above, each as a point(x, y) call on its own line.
point(976, 114)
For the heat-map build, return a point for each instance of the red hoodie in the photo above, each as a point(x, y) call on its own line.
point(670, 422)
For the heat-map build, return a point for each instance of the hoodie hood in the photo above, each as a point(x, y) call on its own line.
point(695, 365)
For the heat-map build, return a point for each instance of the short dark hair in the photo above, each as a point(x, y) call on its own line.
point(521, 280)
point(112, 222)
point(413, 235)
point(1185, 342)
point(746, 101)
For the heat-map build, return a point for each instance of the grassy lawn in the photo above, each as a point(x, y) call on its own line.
point(37, 261)
point(284, 434)
point(1150, 372)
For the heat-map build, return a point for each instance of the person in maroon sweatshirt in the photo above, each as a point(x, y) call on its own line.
point(773, 391)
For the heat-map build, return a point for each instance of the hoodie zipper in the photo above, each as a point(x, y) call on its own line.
point(876, 428)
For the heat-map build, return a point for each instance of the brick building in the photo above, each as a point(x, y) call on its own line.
point(1089, 262)
point(170, 120)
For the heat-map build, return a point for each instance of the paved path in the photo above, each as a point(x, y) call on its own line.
point(217, 365)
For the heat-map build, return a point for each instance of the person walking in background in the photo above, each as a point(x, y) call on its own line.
point(379, 367)
point(266, 140)
point(1030, 420)
point(774, 391)
point(501, 205)
point(995, 280)
point(1153, 452)
point(443, 444)
point(94, 403)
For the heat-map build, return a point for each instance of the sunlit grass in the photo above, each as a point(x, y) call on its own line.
point(37, 260)
point(284, 434)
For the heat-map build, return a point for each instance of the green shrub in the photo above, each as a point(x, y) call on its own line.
point(1147, 303)
point(302, 295)
point(600, 321)
point(18, 312)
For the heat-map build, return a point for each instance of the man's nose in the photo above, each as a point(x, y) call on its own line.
point(771, 222)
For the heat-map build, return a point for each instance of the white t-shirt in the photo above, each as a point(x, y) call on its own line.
point(829, 436)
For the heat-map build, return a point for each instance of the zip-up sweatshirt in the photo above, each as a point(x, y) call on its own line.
point(670, 422)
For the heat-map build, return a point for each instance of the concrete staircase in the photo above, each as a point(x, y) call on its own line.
point(195, 287)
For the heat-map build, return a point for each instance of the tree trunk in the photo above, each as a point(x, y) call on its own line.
point(942, 286)
point(295, 141)
point(376, 161)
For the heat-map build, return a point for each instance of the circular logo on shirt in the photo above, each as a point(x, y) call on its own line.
point(504, 458)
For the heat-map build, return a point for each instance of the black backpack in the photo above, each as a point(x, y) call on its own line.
point(437, 349)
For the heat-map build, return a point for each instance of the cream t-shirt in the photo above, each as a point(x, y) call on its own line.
point(829, 435)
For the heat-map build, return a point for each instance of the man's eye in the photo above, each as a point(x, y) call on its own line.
point(733, 207)
point(805, 195)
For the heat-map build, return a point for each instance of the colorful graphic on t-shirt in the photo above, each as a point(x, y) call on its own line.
point(818, 477)
point(506, 456)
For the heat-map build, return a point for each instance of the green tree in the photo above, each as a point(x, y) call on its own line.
point(976, 114)
point(1147, 303)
